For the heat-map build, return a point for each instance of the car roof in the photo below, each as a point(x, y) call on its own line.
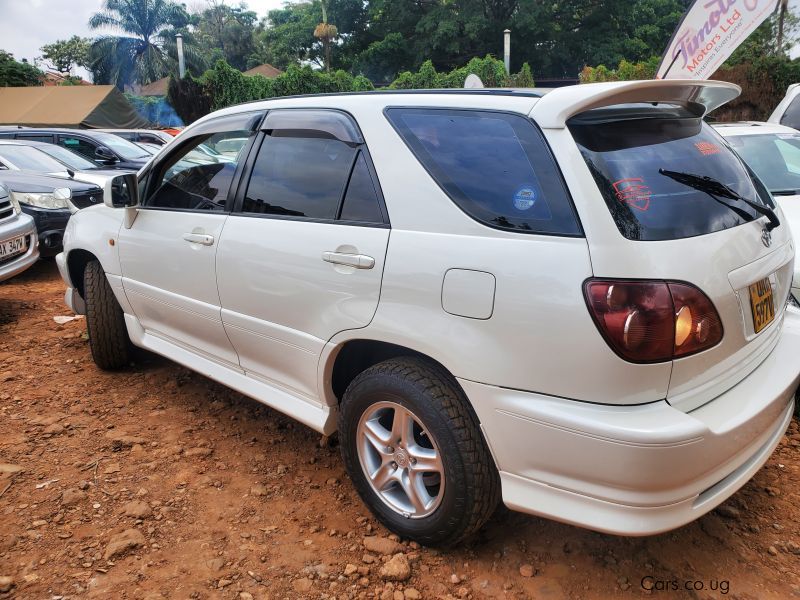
point(751, 128)
point(553, 107)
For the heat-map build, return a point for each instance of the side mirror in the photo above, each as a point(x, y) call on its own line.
point(105, 154)
point(121, 191)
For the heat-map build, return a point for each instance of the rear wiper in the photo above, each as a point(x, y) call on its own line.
point(715, 188)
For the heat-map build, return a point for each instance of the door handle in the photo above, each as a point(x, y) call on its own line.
point(199, 238)
point(358, 261)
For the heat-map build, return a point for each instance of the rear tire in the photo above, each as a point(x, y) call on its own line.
point(437, 484)
point(108, 336)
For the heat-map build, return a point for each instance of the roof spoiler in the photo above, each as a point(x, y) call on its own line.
point(701, 97)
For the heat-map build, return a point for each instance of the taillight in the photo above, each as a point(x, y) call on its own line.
point(653, 321)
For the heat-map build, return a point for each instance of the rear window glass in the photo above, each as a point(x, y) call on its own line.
point(775, 158)
point(495, 166)
point(637, 162)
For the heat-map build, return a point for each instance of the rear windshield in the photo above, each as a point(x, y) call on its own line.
point(495, 166)
point(775, 158)
point(637, 162)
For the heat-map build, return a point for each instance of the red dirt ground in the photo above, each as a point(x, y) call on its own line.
point(230, 499)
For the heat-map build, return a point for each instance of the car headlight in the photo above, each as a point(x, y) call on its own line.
point(57, 199)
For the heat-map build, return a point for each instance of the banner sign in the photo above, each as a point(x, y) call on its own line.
point(708, 34)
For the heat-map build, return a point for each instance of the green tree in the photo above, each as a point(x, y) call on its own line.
point(17, 74)
point(144, 48)
point(226, 32)
point(64, 55)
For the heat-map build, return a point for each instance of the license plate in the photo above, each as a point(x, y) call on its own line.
point(13, 246)
point(762, 304)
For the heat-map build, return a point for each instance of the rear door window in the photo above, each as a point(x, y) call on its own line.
point(495, 166)
point(636, 163)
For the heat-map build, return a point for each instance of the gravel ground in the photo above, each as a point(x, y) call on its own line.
point(156, 482)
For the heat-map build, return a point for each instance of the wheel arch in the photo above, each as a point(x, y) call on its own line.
point(77, 259)
point(351, 357)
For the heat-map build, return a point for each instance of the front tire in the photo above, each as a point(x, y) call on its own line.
point(108, 336)
point(416, 455)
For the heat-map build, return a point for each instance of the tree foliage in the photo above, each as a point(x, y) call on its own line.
point(64, 55)
point(226, 32)
point(17, 74)
point(143, 49)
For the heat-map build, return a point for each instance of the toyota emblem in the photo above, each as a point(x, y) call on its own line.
point(766, 237)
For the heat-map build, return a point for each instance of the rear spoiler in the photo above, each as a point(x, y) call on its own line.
point(701, 97)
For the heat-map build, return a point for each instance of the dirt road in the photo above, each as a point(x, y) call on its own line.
point(158, 483)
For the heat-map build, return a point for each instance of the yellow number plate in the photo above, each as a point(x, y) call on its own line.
point(762, 304)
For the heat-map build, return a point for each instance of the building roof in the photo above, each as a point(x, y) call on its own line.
point(91, 106)
point(266, 70)
point(52, 78)
point(155, 88)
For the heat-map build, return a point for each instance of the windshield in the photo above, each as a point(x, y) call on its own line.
point(127, 150)
point(72, 160)
point(631, 161)
point(26, 158)
point(775, 158)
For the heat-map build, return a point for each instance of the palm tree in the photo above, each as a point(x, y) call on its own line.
point(145, 50)
point(326, 32)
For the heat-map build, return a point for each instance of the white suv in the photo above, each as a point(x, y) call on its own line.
point(574, 301)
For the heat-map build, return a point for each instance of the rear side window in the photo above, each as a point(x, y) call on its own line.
point(495, 166)
point(638, 164)
point(361, 201)
point(299, 177)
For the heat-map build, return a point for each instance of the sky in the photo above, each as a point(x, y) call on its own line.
point(27, 25)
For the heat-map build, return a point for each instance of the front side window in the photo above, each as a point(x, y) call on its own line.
point(78, 145)
point(299, 176)
point(660, 174)
point(495, 166)
point(191, 179)
point(775, 158)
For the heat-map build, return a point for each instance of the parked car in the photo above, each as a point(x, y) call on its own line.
point(147, 136)
point(49, 159)
point(788, 110)
point(773, 152)
point(19, 246)
point(46, 199)
point(573, 300)
point(104, 149)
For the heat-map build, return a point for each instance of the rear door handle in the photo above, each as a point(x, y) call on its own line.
point(359, 261)
point(199, 238)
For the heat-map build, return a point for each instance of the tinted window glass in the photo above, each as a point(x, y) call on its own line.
point(361, 200)
point(35, 138)
point(70, 159)
point(775, 158)
point(635, 163)
point(299, 176)
point(79, 145)
point(495, 166)
point(122, 147)
point(791, 118)
point(193, 180)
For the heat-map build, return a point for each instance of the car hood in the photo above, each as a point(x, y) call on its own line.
point(18, 181)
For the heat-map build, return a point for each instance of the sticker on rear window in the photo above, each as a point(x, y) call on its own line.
point(524, 198)
point(633, 192)
point(707, 148)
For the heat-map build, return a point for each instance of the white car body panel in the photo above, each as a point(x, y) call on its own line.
point(577, 433)
point(789, 205)
point(792, 92)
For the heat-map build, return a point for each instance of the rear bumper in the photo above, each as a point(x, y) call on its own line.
point(22, 225)
point(637, 470)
